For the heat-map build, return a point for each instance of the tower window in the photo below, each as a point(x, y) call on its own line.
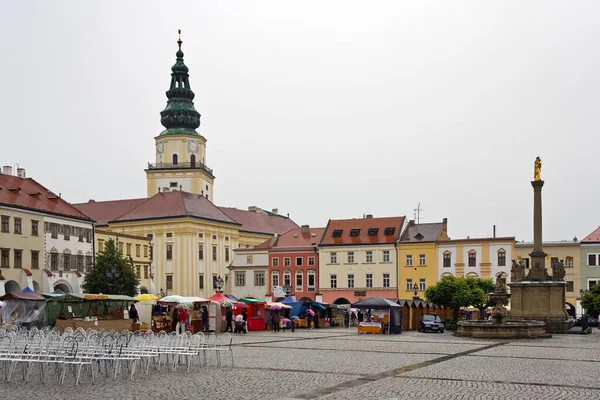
point(173, 184)
point(175, 162)
point(193, 160)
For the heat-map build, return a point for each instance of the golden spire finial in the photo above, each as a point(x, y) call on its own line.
point(179, 41)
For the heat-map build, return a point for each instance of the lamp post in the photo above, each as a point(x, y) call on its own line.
point(219, 284)
point(415, 291)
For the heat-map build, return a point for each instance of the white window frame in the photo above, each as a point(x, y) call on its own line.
point(409, 260)
point(287, 262)
point(299, 264)
point(386, 256)
point(350, 257)
point(309, 273)
point(409, 284)
point(386, 280)
point(369, 256)
point(274, 275)
point(287, 277)
point(299, 274)
point(369, 280)
point(422, 284)
point(350, 281)
point(333, 281)
point(259, 278)
point(422, 260)
point(596, 260)
point(311, 261)
point(333, 257)
point(275, 261)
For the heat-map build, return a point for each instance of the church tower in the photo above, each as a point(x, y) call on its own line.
point(180, 150)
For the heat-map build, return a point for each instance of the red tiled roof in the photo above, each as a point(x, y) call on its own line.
point(295, 238)
point(47, 272)
point(363, 225)
point(175, 204)
point(78, 274)
point(28, 194)
point(27, 272)
point(104, 211)
point(260, 222)
point(593, 237)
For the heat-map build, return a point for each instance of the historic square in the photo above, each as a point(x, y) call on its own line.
point(336, 200)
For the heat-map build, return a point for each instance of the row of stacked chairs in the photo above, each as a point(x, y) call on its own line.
point(110, 354)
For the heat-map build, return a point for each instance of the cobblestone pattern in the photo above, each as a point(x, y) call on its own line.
point(398, 388)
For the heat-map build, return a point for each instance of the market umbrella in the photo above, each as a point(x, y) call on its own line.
point(146, 297)
point(226, 303)
point(275, 307)
point(310, 312)
point(176, 299)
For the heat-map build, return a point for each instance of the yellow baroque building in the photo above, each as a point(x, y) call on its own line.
point(569, 252)
point(418, 257)
point(135, 248)
point(476, 257)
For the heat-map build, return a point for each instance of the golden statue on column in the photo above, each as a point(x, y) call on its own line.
point(537, 169)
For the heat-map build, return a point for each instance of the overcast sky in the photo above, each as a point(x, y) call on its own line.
point(323, 109)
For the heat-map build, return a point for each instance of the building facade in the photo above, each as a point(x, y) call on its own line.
point(569, 252)
point(248, 271)
point(45, 243)
point(136, 249)
point(590, 263)
point(476, 258)
point(358, 258)
point(294, 262)
point(418, 257)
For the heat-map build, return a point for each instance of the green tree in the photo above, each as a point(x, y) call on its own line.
point(454, 293)
point(111, 274)
point(590, 301)
point(488, 286)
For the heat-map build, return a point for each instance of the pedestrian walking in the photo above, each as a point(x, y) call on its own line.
point(204, 316)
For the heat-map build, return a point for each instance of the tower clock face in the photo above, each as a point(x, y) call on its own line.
point(193, 146)
point(160, 148)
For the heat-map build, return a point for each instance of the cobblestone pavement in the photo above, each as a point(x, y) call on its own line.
point(339, 364)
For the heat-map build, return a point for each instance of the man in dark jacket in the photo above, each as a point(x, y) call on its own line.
point(229, 318)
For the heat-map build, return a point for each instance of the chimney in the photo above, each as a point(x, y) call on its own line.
point(275, 211)
point(252, 208)
point(7, 170)
point(305, 229)
point(494, 230)
point(411, 222)
point(445, 220)
point(21, 172)
point(369, 215)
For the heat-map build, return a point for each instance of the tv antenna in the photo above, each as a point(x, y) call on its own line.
point(417, 213)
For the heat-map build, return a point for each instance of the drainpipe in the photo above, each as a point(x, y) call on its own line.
point(397, 271)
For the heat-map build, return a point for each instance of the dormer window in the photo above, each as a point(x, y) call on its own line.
point(337, 233)
point(373, 231)
point(389, 231)
point(354, 232)
point(418, 236)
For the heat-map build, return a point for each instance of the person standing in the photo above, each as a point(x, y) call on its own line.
point(276, 321)
point(353, 318)
point(133, 314)
point(229, 319)
point(175, 319)
point(181, 320)
point(346, 319)
point(204, 316)
point(245, 317)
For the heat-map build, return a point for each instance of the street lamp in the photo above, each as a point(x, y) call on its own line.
point(287, 289)
point(219, 284)
point(415, 291)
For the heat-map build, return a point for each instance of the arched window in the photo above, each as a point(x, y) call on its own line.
point(287, 278)
point(175, 159)
point(193, 160)
point(275, 278)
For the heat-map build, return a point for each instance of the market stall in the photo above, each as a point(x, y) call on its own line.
point(382, 316)
point(196, 324)
point(145, 304)
point(162, 312)
point(256, 313)
point(24, 309)
point(96, 311)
